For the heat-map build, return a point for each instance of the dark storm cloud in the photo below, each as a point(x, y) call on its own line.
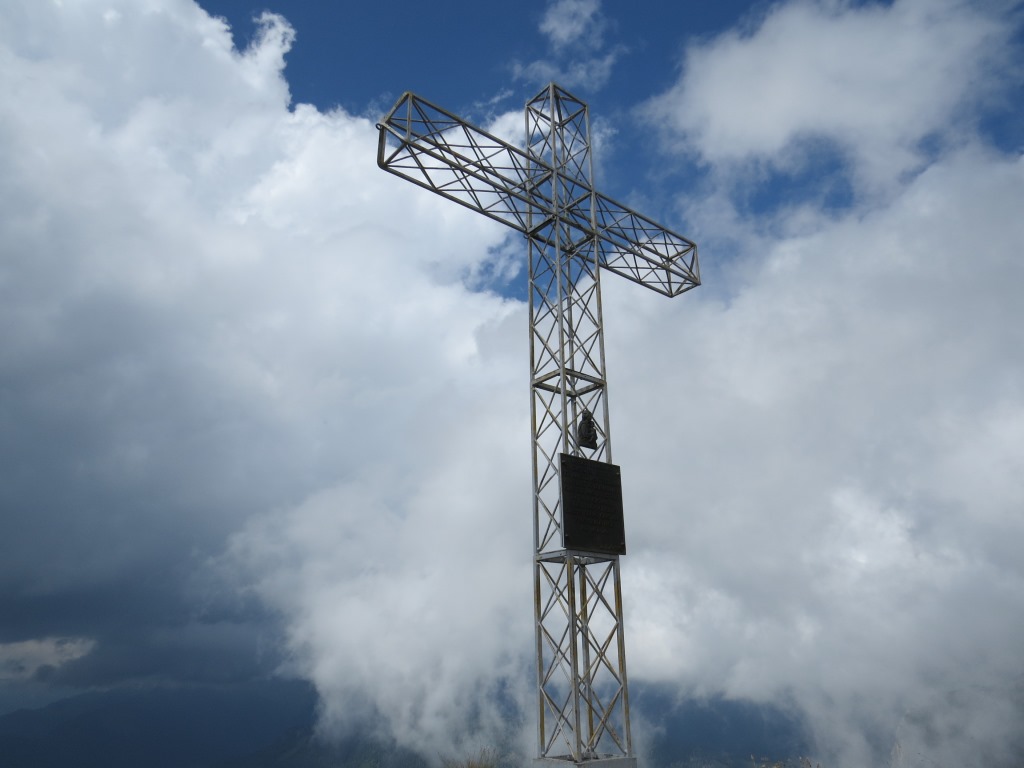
point(194, 336)
point(121, 460)
point(121, 468)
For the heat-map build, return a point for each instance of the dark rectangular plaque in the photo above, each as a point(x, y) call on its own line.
point(592, 506)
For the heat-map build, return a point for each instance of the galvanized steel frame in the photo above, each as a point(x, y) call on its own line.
point(546, 191)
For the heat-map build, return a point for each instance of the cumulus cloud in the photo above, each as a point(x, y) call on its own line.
point(567, 22)
point(851, 402)
point(853, 417)
point(885, 82)
point(214, 325)
point(577, 57)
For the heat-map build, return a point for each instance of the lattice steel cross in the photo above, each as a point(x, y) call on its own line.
point(546, 191)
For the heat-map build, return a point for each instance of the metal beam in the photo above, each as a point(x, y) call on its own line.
point(439, 151)
point(545, 190)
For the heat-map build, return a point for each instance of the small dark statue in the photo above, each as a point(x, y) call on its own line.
point(586, 431)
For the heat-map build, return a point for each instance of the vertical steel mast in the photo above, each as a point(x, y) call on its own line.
point(546, 191)
point(583, 705)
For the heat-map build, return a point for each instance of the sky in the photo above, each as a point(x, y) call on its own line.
point(264, 409)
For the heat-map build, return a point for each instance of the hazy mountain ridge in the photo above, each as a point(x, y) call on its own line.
point(271, 725)
point(156, 726)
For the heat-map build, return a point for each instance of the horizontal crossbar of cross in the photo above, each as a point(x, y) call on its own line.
point(441, 152)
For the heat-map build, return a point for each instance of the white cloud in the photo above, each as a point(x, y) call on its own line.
point(876, 79)
point(578, 57)
point(412, 599)
point(831, 516)
point(849, 406)
point(22, 660)
point(588, 73)
point(509, 127)
point(567, 22)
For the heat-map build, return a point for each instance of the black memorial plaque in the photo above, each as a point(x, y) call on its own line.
point(592, 506)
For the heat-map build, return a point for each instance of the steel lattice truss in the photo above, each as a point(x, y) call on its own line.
point(447, 155)
point(545, 190)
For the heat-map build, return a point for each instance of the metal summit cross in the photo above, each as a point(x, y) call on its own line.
point(546, 192)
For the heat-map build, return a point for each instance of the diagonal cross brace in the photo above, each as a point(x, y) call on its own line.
point(441, 152)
